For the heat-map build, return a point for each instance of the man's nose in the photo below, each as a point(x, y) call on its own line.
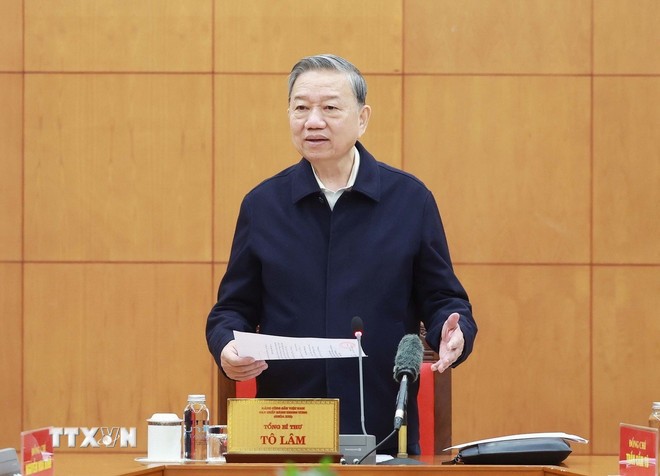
point(315, 118)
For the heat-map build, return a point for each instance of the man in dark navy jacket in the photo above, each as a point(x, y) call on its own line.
point(335, 236)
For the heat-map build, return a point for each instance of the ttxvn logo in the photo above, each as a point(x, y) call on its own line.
point(95, 437)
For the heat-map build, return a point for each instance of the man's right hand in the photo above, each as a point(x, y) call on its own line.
point(240, 368)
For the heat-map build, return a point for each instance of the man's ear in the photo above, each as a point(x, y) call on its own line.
point(365, 114)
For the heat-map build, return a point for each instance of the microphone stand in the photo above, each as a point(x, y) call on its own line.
point(358, 336)
point(402, 455)
point(403, 441)
point(355, 446)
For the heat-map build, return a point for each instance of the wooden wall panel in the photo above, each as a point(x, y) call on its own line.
point(626, 170)
point(118, 167)
point(497, 36)
point(11, 165)
point(626, 37)
point(508, 160)
point(114, 343)
point(11, 350)
point(626, 351)
point(529, 370)
point(118, 35)
point(265, 36)
point(11, 35)
point(251, 144)
point(384, 136)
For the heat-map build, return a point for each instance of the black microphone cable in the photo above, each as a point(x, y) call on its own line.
point(394, 432)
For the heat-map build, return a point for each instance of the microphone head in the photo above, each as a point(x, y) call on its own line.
point(409, 357)
point(356, 325)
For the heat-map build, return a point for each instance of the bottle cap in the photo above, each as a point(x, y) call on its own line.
point(656, 405)
point(196, 398)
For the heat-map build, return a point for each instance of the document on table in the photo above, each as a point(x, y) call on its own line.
point(268, 347)
point(564, 436)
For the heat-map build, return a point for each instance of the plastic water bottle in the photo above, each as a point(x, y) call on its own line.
point(195, 424)
point(654, 418)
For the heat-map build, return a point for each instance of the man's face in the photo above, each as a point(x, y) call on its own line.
point(325, 117)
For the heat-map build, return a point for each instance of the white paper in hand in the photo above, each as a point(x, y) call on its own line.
point(268, 347)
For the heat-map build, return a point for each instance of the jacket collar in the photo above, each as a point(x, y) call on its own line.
point(367, 182)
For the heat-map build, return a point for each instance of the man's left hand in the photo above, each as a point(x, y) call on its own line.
point(451, 344)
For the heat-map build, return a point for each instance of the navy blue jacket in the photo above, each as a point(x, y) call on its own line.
point(299, 269)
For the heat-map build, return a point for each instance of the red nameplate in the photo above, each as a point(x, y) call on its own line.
point(37, 452)
point(638, 450)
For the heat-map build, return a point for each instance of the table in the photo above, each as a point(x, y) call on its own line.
point(86, 464)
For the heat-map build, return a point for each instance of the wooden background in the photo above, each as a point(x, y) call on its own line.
point(129, 132)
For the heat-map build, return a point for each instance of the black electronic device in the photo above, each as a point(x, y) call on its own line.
point(526, 448)
point(544, 451)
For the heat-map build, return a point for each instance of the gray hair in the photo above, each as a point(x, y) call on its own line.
point(332, 63)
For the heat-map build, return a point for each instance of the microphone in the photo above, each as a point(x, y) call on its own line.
point(360, 447)
point(407, 365)
point(357, 327)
